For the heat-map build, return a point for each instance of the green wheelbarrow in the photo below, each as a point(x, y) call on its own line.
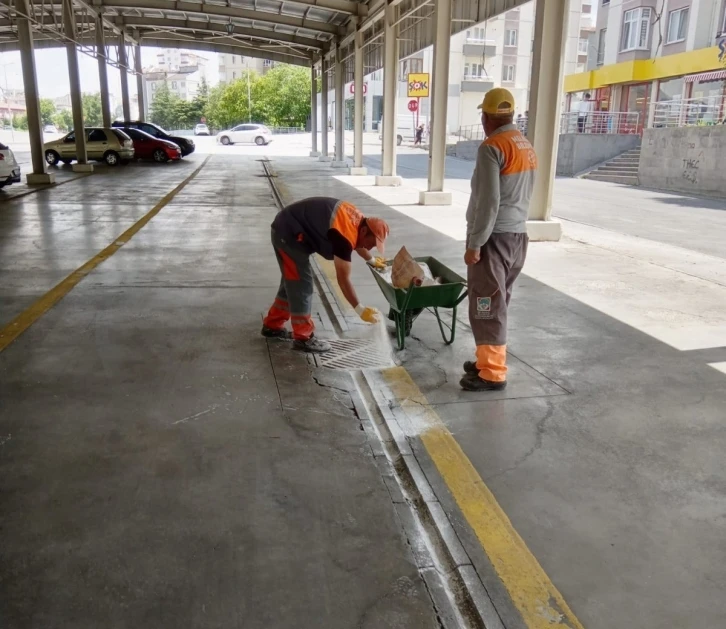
point(408, 303)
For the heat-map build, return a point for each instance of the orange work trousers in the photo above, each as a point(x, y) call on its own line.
point(490, 288)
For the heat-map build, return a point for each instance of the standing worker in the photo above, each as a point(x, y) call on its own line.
point(496, 220)
point(332, 229)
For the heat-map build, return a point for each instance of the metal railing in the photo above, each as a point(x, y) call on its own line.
point(600, 122)
point(679, 112)
point(286, 130)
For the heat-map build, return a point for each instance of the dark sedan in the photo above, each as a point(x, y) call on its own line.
point(185, 144)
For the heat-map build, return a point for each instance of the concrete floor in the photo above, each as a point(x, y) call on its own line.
point(162, 465)
point(606, 449)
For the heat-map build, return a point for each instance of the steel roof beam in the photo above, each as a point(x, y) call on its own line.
point(198, 8)
point(218, 27)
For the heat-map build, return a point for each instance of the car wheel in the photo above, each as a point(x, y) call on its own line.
point(399, 140)
point(111, 158)
point(260, 141)
point(225, 140)
point(52, 158)
point(160, 156)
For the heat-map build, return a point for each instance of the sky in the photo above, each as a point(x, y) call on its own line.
point(52, 68)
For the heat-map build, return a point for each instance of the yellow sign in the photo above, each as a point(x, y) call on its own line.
point(418, 85)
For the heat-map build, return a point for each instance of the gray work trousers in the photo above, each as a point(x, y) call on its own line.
point(294, 300)
point(490, 286)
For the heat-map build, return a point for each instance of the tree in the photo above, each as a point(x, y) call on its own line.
point(20, 121)
point(64, 120)
point(162, 110)
point(92, 116)
point(47, 111)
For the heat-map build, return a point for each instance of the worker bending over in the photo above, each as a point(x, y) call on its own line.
point(496, 218)
point(333, 229)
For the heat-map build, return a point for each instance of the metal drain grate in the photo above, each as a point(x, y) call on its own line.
point(351, 354)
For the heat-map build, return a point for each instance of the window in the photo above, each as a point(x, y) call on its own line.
point(723, 23)
point(601, 46)
point(582, 46)
point(234, 75)
point(476, 34)
point(510, 38)
point(508, 73)
point(408, 66)
point(96, 135)
point(473, 71)
point(636, 29)
point(677, 25)
point(267, 63)
point(173, 85)
point(153, 87)
point(605, 2)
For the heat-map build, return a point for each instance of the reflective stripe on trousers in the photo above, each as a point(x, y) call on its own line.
point(294, 298)
point(490, 288)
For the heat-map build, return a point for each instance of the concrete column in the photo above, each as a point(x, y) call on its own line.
point(32, 101)
point(435, 194)
point(103, 74)
point(140, 83)
point(359, 107)
point(324, 157)
point(339, 110)
point(122, 60)
point(390, 86)
point(74, 80)
point(314, 113)
point(550, 35)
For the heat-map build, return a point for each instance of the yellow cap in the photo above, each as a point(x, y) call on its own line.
point(497, 102)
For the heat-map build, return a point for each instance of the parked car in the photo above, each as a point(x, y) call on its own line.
point(9, 169)
point(201, 129)
point(185, 144)
point(109, 145)
point(148, 147)
point(246, 133)
point(50, 128)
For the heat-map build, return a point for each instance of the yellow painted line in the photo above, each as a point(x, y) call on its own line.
point(28, 317)
point(535, 596)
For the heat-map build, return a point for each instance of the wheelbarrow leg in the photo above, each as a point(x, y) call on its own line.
point(442, 326)
point(401, 329)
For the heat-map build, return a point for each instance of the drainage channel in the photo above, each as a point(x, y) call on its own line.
point(455, 590)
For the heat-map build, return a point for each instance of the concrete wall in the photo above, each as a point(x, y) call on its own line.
point(687, 159)
point(467, 149)
point(578, 152)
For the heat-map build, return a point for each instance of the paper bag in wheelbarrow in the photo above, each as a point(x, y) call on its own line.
point(406, 270)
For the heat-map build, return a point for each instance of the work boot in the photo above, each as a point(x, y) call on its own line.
point(312, 346)
point(471, 368)
point(270, 333)
point(472, 382)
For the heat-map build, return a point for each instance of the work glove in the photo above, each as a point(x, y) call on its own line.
point(369, 315)
point(378, 263)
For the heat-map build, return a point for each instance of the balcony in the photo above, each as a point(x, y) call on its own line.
point(479, 47)
point(476, 84)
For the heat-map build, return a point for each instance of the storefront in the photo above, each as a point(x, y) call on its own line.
point(706, 93)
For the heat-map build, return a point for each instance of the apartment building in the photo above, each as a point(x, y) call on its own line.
point(656, 59)
point(181, 71)
point(497, 52)
point(233, 67)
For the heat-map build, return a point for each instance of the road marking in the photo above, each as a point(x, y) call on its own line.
point(535, 596)
point(28, 317)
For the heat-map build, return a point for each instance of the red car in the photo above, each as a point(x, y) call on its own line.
point(148, 147)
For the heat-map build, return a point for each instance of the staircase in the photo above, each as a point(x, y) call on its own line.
point(622, 169)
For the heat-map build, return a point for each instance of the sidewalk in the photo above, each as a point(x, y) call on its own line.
point(605, 452)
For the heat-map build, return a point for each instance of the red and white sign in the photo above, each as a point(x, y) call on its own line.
point(413, 105)
point(352, 88)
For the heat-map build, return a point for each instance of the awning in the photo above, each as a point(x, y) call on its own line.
point(705, 77)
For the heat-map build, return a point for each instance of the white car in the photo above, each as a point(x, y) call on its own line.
point(50, 128)
point(9, 169)
point(201, 129)
point(246, 134)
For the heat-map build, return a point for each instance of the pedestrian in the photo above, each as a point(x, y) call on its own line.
point(333, 229)
point(496, 241)
point(584, 107)
point(419, 135)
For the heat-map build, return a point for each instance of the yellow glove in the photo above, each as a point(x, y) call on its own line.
point(378, 263)
point(369, 315)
